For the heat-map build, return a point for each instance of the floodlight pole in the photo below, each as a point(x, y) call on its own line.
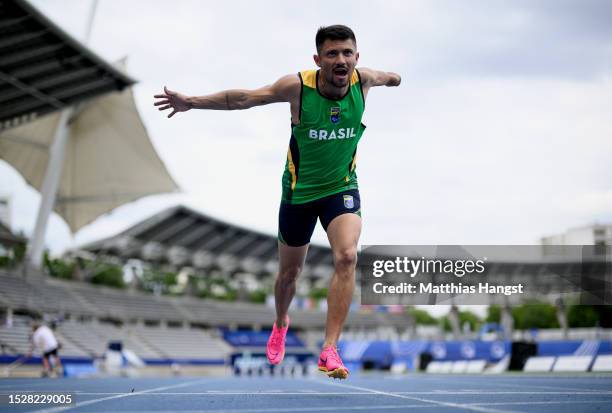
point(92, 15)
point(49, 188)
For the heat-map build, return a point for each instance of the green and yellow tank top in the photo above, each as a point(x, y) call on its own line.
point(322, 151)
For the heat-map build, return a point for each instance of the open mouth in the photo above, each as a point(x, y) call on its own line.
point(340, 71)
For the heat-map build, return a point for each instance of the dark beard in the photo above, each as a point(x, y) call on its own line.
point(333, 82)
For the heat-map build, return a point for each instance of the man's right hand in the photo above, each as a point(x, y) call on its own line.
point(172, 100)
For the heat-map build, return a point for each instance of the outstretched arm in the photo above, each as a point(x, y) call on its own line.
point(371, 78)
point(285, 89)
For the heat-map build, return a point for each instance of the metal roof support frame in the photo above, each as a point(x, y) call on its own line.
point(49, 188)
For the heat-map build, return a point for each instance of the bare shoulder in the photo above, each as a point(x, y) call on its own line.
point(287, 86)
point(366, 73)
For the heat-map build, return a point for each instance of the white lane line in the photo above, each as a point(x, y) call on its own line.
point(118, 396)
point(403, 396)
point(265, 393)
point(529, 403)
point(368, 408)
point(537, 386)
point(443, 392)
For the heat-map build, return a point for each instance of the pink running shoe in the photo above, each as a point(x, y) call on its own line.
point(275, 350)
point(331, 363)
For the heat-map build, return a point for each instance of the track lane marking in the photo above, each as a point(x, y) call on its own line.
point(118, 396)
point(402, 396)
point(361, 408)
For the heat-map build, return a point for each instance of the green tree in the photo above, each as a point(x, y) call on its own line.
point(535, 315)
point(464, 317)
point(57, 267)
point(582, 316)
point(258, 296)
point(470, 318)
point(19, 252)
point(318, 293)
point(14, 256)
point(162, 281)
point(493, 314)
point(422, 317)
point(108, 275)
point(218, 288)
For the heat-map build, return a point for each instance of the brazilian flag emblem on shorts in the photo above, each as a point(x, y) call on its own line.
point(334, 114)
point(348, 201)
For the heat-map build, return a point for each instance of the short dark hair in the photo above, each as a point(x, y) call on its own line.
point(335, 32)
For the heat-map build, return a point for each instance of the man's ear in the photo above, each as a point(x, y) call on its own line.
point(317, 60)
point(356, 57)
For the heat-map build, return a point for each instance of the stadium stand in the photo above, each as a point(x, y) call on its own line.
point(90, 339)
point(7, 238)
point(15, 339)
point(54, 296)
point(258, 339)
point(163, 329)
point(160, 329)
point(94, 342)
point(183, 343)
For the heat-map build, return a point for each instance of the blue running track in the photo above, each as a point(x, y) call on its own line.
point(376, 394)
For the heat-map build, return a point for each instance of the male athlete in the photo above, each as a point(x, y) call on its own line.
point(319, 179)
point(44, 340)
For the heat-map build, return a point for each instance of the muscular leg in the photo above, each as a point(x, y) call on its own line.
point(58, 363)
point(343, 234)
point(46, 364)
point(291, 262)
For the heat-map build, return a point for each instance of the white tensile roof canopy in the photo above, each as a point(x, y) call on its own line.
point(109, 159)
point(52, 87)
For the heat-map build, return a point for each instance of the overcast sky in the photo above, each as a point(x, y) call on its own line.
point(500, 133)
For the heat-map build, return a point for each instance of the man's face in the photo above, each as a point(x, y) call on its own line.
point(337, 60)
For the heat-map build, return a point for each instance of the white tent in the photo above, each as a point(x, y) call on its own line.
point(109, 159)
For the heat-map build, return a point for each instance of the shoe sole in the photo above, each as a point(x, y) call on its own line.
point(339, 373)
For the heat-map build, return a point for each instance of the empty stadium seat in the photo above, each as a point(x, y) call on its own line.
point(434, 367)
point(603, 363)
point(459, 366)
point(446, 366)
point(572, 363)
point(539, 364)
point(476, 366)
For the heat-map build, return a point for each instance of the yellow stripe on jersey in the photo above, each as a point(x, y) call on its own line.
point(353, 164)
point(354, 77)
point(291, 169)
point(309, 78)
